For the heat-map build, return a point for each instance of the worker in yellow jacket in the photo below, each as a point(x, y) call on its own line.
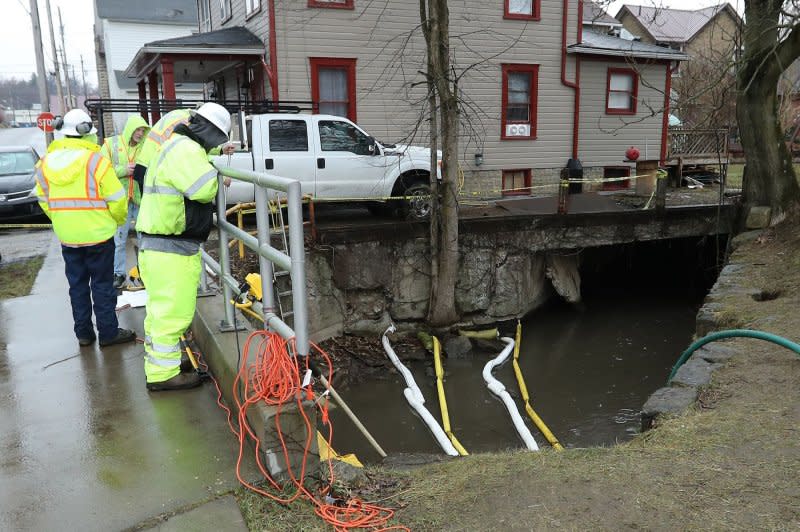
point(78, 190)
point(122, 150)
point(175, 218)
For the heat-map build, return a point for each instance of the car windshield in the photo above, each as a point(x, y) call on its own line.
point(20, 162)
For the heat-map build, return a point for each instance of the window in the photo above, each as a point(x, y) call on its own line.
point(623, 86)
point(516, 182)
point(204, 15)
point(224, 10)
point(616, 171)
point(339, 4)
point(251, 6)
point(333, 86)
point(522, 9)
point(520, 94)
point(341, 136)
point(288, 135)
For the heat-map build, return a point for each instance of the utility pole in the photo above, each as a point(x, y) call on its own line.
point(83, 77)
point(41, 78)
point(59, 86)
point(64, 58)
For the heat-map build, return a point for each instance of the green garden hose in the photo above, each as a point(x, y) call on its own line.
point(732, 333)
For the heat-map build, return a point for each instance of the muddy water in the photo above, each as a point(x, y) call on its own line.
point(588, 371)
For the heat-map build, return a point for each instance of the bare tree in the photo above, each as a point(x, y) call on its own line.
point(442, 90)
point(771, 42)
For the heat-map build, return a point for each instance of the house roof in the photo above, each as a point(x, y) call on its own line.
point(179, 12)
point(598, 44)
point(218, 48)
point(594, 14)
point(674, 25)
point(236, 37)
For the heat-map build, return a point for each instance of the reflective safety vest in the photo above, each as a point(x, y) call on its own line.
point(160, 133)
point(181, 171)
point(121, 154)
point(79, 191)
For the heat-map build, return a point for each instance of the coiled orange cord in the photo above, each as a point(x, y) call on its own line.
point(274, 377)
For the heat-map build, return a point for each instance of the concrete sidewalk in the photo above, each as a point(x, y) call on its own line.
point(84, 446)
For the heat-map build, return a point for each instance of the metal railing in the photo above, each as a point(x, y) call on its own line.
point(269, 257)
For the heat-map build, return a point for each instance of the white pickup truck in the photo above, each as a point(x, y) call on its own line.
point(333, 159)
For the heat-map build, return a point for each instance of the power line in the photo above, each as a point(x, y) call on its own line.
point(23, 7)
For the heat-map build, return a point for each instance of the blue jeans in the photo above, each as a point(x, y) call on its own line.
point(121, 240)
point(90, 274)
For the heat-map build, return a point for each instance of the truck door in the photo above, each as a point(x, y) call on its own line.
point(349, 163)
point(288, 151)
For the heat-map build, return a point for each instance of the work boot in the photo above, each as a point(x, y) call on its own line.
point(89, 340)
point(119, 281)
point(123, 336)
point(181, 381)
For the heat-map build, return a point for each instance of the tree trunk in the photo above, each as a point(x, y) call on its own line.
point(769, 177)
point(442, 309)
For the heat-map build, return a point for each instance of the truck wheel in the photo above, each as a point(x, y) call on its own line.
point(417, 205)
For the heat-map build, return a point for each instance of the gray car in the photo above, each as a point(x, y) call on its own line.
point(17, 184)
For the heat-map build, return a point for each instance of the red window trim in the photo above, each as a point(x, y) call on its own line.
point(634, 94)
point(536, 15)
point(335, 62)
point(523, 192)
point(534, 99)
point(617, 185)
point(347, 4)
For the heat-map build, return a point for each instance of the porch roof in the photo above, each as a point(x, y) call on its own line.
point(198, 57)
point(598, 44)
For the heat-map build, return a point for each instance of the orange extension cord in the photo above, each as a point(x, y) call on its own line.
point(274, 378)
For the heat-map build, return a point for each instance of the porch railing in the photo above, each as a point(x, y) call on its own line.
point(269, 257)
point(688, 143)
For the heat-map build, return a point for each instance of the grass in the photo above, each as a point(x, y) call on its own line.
point(735, 172)
point(16, 278)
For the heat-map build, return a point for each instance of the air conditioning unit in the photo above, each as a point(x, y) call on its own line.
point(518, 130)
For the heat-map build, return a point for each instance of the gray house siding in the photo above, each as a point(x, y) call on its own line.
point(604, 137)
point(389, 50)
point(385, 40)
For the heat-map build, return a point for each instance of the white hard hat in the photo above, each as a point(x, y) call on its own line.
point(76, 123)
point(217, 115)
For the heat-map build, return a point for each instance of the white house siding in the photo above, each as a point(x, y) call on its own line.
point(603, 137)
point(122, 40)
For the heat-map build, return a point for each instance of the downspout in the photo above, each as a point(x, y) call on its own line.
point(272, 68)
point(575, 86)
point(665, 116)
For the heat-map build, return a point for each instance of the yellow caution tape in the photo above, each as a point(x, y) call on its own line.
point(523, 390)
point(437, 360)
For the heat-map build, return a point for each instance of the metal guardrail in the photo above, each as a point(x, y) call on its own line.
point(269, 257)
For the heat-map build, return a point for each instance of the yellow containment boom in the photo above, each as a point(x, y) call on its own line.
point(437, 360)
point(523, 390)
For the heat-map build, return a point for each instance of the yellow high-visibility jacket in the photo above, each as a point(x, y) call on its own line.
point(78, 189)
point(160, 133)
point(119, 151)
point(178, 188)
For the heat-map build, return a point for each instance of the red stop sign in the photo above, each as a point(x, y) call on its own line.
point(45, 122)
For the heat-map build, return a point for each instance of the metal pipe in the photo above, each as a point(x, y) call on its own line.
point(298, 271)
point(269, 181)
point(224, 259)
point(251, 242)
point(264, 265)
